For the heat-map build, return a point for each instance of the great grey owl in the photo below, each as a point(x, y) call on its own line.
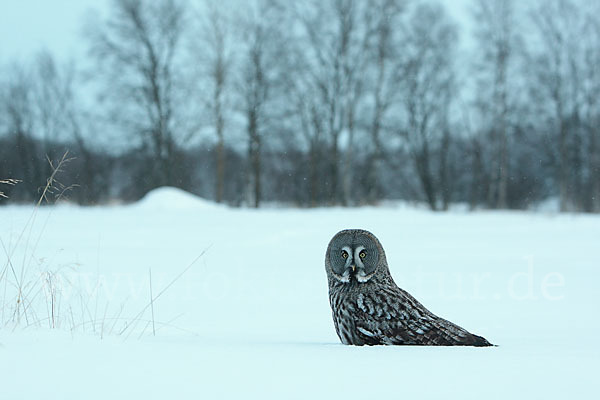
point(367, 306)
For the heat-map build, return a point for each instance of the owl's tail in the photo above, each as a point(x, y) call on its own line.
point(478, 341)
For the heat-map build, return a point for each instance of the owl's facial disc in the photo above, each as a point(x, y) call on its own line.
point(353, 257)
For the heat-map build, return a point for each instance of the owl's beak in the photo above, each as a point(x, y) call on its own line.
point(353, 268)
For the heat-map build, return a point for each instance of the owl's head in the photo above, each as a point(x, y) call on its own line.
point(354, 255)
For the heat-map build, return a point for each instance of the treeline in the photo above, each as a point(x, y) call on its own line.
point(317, 102)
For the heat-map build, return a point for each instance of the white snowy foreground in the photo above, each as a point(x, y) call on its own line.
point(251, 318)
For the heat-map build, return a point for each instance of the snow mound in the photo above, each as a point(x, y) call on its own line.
point(173, 198)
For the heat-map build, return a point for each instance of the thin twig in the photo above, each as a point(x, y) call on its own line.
point(152, 303)
point(137, 317)
point(159, 323)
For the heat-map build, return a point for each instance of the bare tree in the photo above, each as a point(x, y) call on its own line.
point(258, 62)
point(428, 87)
point(302, 109)
point(334, 46)
point(497, 37)
point(556, 84)
point(137, 50)
point(79, 127)
point(212, 51)
point(591, 104)
point(353, 69)
point(303, 112)
point(49, 116)
point(19, 114)
point(383, 19)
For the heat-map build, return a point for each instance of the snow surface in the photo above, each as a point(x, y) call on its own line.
point(251, 318)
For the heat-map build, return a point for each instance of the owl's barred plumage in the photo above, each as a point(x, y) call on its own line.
point(370, 309)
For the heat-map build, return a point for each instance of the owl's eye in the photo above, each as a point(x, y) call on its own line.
point(362, 254)
point(344, 254)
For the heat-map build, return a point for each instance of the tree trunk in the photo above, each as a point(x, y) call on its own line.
point(502, 148)
point(502, 122)
point(443, 172)
point(220, 170)
point(424, 171)
point(374, 165)
point(29, 164)
point(334, 163)
point(492, 189)
point(257, 173)
point(375, 159)
point(313, 183)
point(315, 151)
point(253, 173)
point(503, 173)
point(349, 160)
point(334, 158)
point(477, 176)
point(594, 159)
point(562, 166)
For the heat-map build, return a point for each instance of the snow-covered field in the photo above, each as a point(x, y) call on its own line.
point(251, 318)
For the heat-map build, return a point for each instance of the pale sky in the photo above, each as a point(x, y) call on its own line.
point(27, 26)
